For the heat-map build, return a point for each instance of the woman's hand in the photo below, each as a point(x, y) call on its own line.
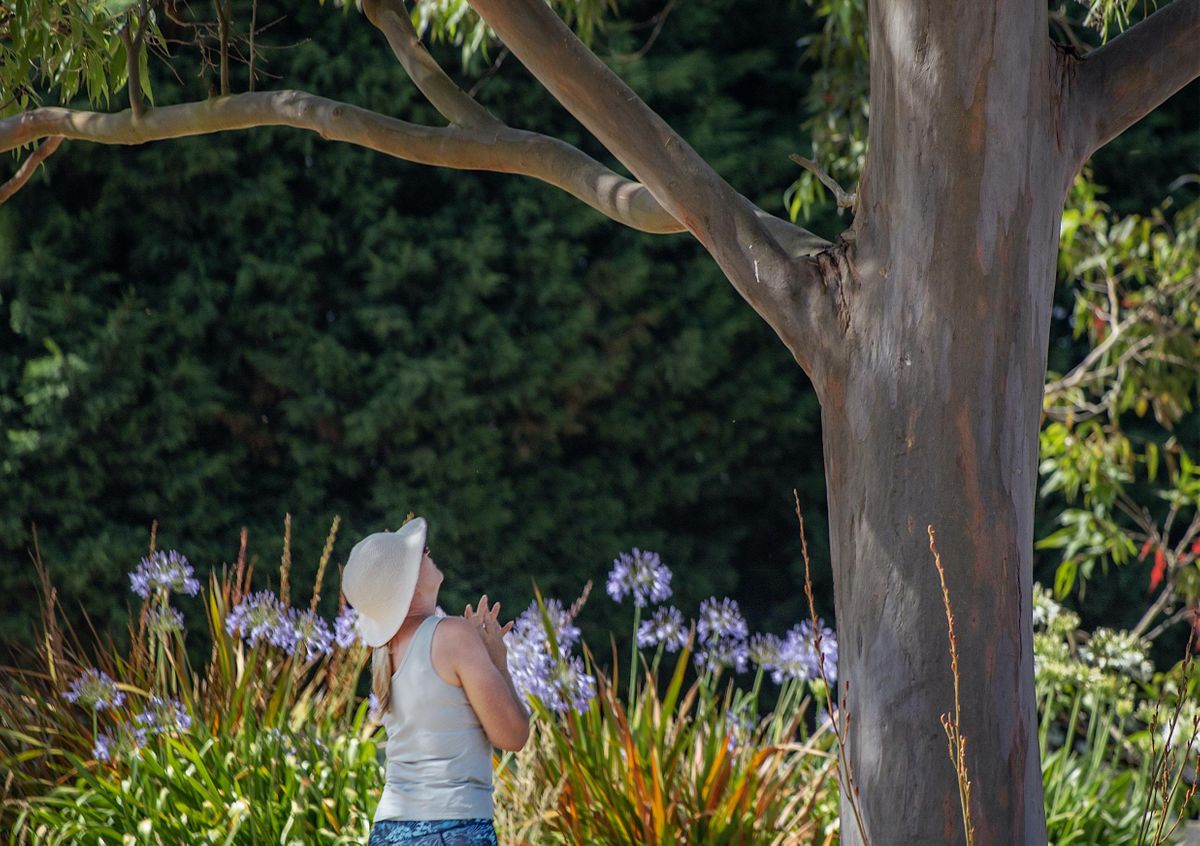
point(485, 619)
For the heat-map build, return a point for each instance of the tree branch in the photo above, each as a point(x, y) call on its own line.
point(28, 167)
point(1118, 84)
point(726, 223)
point(768, 260)
point(133, 73)
point(460, 108)
point(391, 18)
point(844, 199)
point(498, 148)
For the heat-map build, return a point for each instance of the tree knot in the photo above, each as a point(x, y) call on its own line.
point(836, 269)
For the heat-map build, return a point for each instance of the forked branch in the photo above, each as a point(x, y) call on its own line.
point(391, 18)
point(1120, 83)
point(724, 221)
point(28, 168)
point(500, 149)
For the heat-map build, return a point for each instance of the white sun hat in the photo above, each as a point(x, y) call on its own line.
point(381, 577)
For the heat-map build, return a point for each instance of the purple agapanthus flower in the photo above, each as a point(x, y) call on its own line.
point(571, 685)
point(164, 715)
point(126, 738)
point(641, 574)
point(306, 629)
point(723, 652)
point(163, 570)
point(345, 628)
point(666, 626)
point(796, 656)
point(529, 625)
point(828, 647)
point(102, 750)
point(721, 620)
point(260, 617)
point(739, 726)
point(558, 684)
point(94, 690)
point(764, 650)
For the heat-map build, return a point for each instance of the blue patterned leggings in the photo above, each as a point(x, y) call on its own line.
point(433, 833)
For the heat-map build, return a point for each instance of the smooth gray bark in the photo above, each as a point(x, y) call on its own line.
point(931, 416)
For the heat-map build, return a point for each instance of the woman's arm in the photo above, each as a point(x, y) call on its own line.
point(482, 669)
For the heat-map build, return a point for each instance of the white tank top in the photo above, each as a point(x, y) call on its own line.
point(439, 760)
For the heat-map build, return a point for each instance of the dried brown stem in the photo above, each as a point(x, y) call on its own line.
point(840, 730)
point(325, 553)
point(955, 741)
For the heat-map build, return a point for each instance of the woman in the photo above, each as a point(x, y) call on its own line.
point(443, 687)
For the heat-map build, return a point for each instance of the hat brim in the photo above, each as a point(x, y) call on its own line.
point(394, 592)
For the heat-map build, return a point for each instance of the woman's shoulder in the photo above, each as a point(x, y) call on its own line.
point(457, 631)
point(456, 645)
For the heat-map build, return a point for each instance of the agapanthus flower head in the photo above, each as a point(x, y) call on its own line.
point(374, 707)
point(164, 716)
point(94, 690)
point(345, 628)
point(665, 626)
point(827, 648)
point(739, 726)
point(304, 629)
point(723, 652)
point(260, 617)
point(102, 750)
point(164, 620)
point(559, 684)
point(721, 620)
point(163, 570)
point(764, 650)
point(641, 574)
point(570, 685)
point(125, 739)
point(797, 656)
point(530, 625)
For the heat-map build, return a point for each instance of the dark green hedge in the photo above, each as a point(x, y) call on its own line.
point(213, 332)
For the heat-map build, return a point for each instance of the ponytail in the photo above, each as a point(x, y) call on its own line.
point(381, 676)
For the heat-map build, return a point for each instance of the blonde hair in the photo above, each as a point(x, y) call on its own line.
point(381, 676)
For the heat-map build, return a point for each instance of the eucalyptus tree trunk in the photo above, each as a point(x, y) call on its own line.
point(931, 417)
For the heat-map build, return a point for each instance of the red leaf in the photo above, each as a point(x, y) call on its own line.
point(1196, 547)
point(1160, 569)
point(1145, 548)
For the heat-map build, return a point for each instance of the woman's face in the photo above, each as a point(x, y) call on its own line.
point(430, 577)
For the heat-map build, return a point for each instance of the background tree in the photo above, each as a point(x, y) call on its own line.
point(923, 327)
